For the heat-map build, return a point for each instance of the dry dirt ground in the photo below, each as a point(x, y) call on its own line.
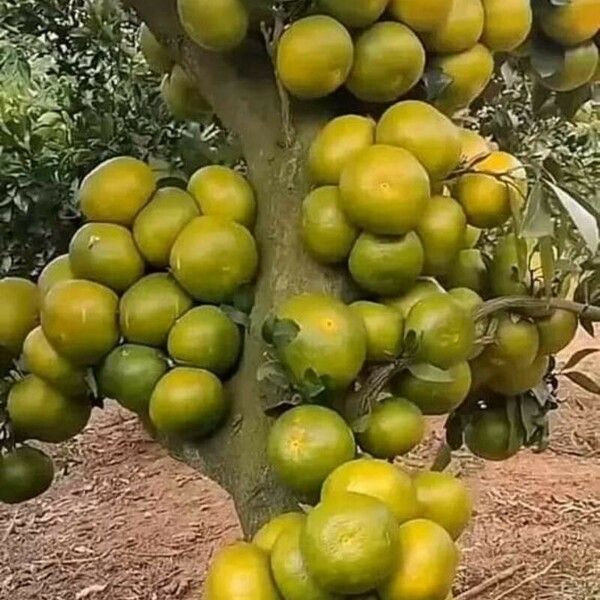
point(124, 521)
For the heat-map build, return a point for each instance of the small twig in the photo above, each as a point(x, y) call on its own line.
point(11, 526)
point(474, 592)
point(522, 302)
point(528, 580)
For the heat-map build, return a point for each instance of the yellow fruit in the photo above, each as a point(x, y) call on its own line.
point(506, 278)
point(425, 564)
point(116, 190)
point(386, 265)
point(389, 60)
point(425, 132)
point(572, 23)
point(57, 270)
point(470, 70)
point(511, 380)
point(314, 56)
point(556, 331)
point(435, 397)
point(468, 271)
point(359, 13)
point(217, 25)
point(384, 190)
point(240, 571)
point(212, 257)
point(106, 253)
point(326, 231)
point(507, 24)
point(79, 319)
point(578, 68)
point(487, 199)
point(331, 340)
point(25, 473)
point(461, 29)
point(384, 327)
point(159, 223)
point(516, 343)
point(306, 444)
point(349, 543)
point(488, 435)
point(187, 403)
point(19, 313)
point(467, 298)
point(422, 16)
point(445, 500)
point(422, 289)
point(156, 55)
point(336, 144)
point(223, 192)
point(473, 146)
point(267, 535)
point(181, 96)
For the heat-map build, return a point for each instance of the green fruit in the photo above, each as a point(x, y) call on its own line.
point(556, 331)
point(267, 535)
point(57, 270)
point(511, 380)
point(422, 16)
point(421, 289)
point(578, 68)
point(19, 313)
point(468, 271)
point(507, 24)
point(359, 13)
point(467, 298)
point(156, 55)
point(516, 343)
point(489, 435)
point(25, 473)
point(182, 97)
point(505, 274)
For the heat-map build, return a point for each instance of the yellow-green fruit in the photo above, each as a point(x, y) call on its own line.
point(445, 500)
point(217, 25)
point(389, 60)
point(435, 397)
point(516, 343)
point(470, 71)
point(384, 327)
point(267, 535)
point(489, 435)
point(467, 298)
point(473, 146)
point(306, 444)
point(377, 479)
point(181, 96)
point(425, 132)
point(18, 313)
point(421, 289)
point(336, 144)
point(393, 428)
point(505, 275)
point(461, 29)
point(213, 257)
point(25, 473)
point(386, 265)
point(240, 571)
point(556, 331)
point(116, 190)
point(42, 360)
point(326, 231)
point(349, 543)
point(106, 253)
point(578, 68)
point(422, 16)
point(40, 412)
point(187, 403)
point(444, 330)
point(314, 56)
point(384, 190)
point(487, 199)
point(511, 380)
point(156, 55)
point(472, 237)
point(468, 271)
point(572, 23)
point(159, 223)
point(223, 192)
point(79, 318)
point(359, 13)
point(507, 24)
point(442, 232)
point(57, 270)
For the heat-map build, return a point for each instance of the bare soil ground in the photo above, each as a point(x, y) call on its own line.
point(124, 521)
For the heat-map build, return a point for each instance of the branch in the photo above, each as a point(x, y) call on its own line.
point(586, 311)
point(476, 591)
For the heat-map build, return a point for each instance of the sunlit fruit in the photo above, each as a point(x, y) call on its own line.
point(336, 144)
point(154, 52)
point(182, 97)
point(384, 190)
point(389, 60)
point(422, 16)
point(148, 310)
point(267, 535)
point(516, 342)
point(129, 374)
point(473, 146)
point(326, 231)
point(506, 275)
point(386, 265)
point(468, 270)
point(577, 69)
point(421, 289)
point(571, 23)
point(57, 270)
point(511, 380)
point(507, 24)
point(314, 56)
point(360, 13)
point(19, 313)
point(491, 436)
point(467, 298)
point(213, 257)
point(40, 412)
point(159, 223)
point(106, 253)
point(472, 237)
point(116, 190)
point(217, 25)
point(187, 403)
point(25, 473)
point(350, 543)
point(556, 331)
point(79, 318)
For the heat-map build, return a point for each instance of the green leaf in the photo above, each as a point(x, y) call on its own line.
point(243, 299)
point(426, 372)
point(546, 57)
point(237, 316)
point(583, 381)
point(455, 427)
point(282, 405)
point(514, 420)
point(312, 385)
point(588, 326)
point(578, 356)
point(547, 260)
point(531, 417)
point(537, 221)
point(361, 424)
point(272, 371)
point(267, 328)
point(284, 332)
point(541, 98)
point(436, 82)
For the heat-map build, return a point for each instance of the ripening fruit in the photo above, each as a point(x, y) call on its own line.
point(326, 231)
point(489, 435)
point(505, 275)
point(18, 313)
point(389, 60)
point(267, 535)
point(106, 253)
point(470, 70)
point(473, 146)
point(472, 237)
point(116, 190)
point(423, 15)
point(314, 56)
point(578, 68)
point(358, 13)
point(156, 55)
point(216, 25)
point(516, 343)
point(25, 473)
point(181, 96)
point(556, 331)
point(384, 190)
point(386, 265)
point(467, 298)
point(57, 270)
point(421, 289)
point(468, 271)
point(572, 23)
point(425, 132)
point(511, 380)
point(507, 24)
point(336, 144)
